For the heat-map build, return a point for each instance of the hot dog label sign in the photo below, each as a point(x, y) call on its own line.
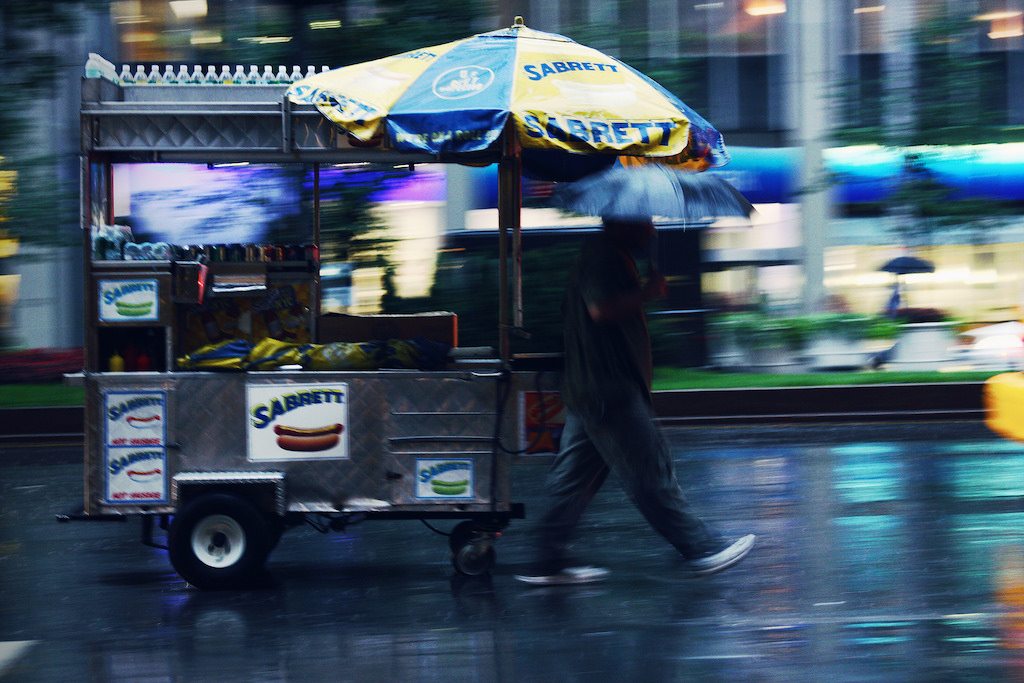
point(297, 421)
point(129, 300)
point(135, 442)
point(444, 478)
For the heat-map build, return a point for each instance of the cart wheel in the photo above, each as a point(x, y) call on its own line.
point(462, 534)
point(219, 540)
point(474, 559)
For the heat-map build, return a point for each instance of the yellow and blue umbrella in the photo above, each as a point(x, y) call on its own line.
point(457, 99)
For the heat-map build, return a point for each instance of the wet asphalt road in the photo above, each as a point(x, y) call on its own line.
point(886, 553)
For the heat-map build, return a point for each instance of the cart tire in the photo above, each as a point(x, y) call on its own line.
point(219, 540)
point(461, 535)
point(474, 559)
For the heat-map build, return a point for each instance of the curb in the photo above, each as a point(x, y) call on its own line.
point(856, 403)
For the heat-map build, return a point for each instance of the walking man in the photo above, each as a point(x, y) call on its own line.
point(609, 425)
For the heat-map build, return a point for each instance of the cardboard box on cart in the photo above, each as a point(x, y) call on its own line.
point(439, 326)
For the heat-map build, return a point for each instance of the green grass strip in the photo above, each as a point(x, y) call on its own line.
point(670, 379)
point(40, 395)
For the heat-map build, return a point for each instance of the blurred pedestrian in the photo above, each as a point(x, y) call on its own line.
point(609, 425)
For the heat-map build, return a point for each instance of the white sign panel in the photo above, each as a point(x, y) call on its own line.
point(450, 478)
point(129, 300)
point(135, 439)
point(297, 421)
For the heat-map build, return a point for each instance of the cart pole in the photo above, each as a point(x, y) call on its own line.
point(315, 314)
point(509, 218)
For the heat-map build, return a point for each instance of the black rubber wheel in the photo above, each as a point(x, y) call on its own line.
point(474, 559)
point(462, 534)
point(219, 540)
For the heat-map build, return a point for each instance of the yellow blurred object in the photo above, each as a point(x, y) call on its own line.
point(116, 363)
point(1010, 577)
point(1004, 405)
point(341, 356)
point(269, 353)
point(225, 355)
point(8, 247)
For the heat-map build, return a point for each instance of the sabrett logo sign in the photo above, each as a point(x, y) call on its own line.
point(538, 71)
point(117, 411)
point(265, 413)
point(429, 473)
point(118, 464)
point(598, 131)
point(113, 294)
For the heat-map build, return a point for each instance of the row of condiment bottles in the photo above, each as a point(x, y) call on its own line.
point(241, 75)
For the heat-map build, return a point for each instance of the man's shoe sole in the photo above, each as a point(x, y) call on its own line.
point(741, 548)
point(575, 576)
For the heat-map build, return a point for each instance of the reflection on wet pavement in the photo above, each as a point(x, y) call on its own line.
point(891, 552)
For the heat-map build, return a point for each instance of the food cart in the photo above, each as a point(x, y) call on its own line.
point(225, 461)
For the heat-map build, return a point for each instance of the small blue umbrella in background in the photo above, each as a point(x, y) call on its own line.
point(903, 265)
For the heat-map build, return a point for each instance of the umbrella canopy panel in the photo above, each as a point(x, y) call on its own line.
point(905, 265)
point(456, 99)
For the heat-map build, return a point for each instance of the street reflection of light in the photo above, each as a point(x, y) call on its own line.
point(265, 40)
point(188, 9)
point(869, 9)
point(867, 473)
point(709, 5)
point(761, 8)
point(988, 478)
point(325, 24)
point(205, 38)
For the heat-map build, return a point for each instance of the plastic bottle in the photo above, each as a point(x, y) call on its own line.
point(296, 74)
point(225, 75)
point(324, 68)
point(253, 77)
point(169, 76)
point(140, 75)
point(268, 75)
point(125, 76)
point(211, 75)
point(154, 77)
point(183, 76)
point(197, 76)
point(115, 363)
point(310, 71)
point(142, 362)
point(239, 76)
point(282, 75)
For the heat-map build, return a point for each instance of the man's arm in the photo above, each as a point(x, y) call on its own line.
point(627, 304)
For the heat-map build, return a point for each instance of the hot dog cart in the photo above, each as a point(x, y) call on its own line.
point(225, 460)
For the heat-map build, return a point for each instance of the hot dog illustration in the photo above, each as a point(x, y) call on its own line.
point(144, 475)
point(308, 439)
point(143, 422)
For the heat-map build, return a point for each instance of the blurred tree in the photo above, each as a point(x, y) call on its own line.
point(393, 27)
point(44, 202)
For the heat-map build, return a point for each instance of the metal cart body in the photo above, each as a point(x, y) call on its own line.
point(186, 449)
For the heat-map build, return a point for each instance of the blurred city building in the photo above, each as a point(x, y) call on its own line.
point(834, 111)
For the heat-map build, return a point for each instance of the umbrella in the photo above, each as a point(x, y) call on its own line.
point(652, 190)
point(492, 96)
point(456, 100)
point(903, 265)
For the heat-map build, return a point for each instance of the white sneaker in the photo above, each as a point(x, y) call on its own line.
point(570, 576)
point(723, 559)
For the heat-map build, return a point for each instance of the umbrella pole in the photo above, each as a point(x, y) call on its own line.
point(509, 208)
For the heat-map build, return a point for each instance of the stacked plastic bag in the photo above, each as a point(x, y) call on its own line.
point(269, 354)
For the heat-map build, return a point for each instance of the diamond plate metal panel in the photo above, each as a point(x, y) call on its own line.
point(394, 418)
point(141, 131)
